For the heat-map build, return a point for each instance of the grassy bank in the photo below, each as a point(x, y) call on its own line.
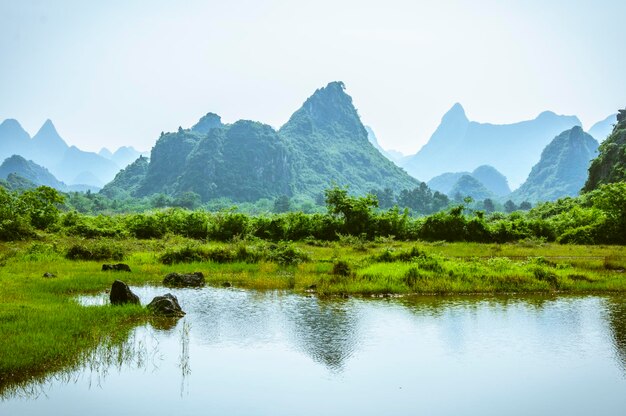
point(44, 329)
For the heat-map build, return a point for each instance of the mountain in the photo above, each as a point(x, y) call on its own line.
point(15, 182)
point(489, 177)
point(77, 164)
point(47, 148)
point(125, 155)
point(562, 169)
point(444, 182)
point(207, 123)
point(30, 171)
point(329, 144)
point(13, 138)
point(493, 180)
point(127, 181)
point(324, 142)
point(602, 129)
point(459, 144)
point(467, 185)
point(105, 153)
point(610, 165)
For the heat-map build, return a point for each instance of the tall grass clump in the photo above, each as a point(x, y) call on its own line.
point(96, 250)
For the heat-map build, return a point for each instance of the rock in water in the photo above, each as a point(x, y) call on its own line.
point(166, 305)
point(184, 280)
point(120, 267)
point(121, 294)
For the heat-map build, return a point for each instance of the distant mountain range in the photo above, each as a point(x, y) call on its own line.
point(22, 173)
point(393, 155)
point(460, 144)
point(67, 163)
point(601, 130)
point(323, 143)
point(487, 176)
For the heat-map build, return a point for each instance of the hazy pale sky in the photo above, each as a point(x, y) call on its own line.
point(112, 73)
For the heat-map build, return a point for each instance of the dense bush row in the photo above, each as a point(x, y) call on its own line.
point(594, 218)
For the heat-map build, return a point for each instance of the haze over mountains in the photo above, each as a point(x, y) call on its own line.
point(460, 144)
point(67, 163)
point(493, 181)
point(323, 143)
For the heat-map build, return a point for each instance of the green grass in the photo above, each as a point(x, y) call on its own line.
point(44, 329)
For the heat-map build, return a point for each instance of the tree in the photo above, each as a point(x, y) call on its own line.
point(386, 198)
point(189, 200)
point(161, 200)
point(509, 206)
point(489, 206)
point(282, 204)
point(42, 206)
point(525, 206)
point(356, 212)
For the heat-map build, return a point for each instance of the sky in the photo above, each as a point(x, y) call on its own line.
point(114, 73)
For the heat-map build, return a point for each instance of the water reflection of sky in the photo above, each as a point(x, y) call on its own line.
point(248, 352)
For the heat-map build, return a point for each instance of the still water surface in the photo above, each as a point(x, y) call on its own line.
point(270, 353)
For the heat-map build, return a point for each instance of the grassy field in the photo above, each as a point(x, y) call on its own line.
point(44, 329)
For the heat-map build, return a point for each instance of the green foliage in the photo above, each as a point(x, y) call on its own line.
point(610, 165)
point(356, 212)
point(21, 214)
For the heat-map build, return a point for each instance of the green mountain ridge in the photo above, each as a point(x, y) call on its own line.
point(562, 169)
point(323, 143)
point(610, 165)
point(30, 171)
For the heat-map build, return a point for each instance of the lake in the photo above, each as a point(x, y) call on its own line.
point(241, 352)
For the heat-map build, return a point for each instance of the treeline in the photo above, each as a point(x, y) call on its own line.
point(420, 200)
point(598, 217)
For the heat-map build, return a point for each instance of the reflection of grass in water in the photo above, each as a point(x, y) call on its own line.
point(120, 350)
point(183, 359)
point(44, 330)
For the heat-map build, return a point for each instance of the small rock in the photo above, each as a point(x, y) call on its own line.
point(119, 267)
point(184, 280)
point(49, 275)
point(227, 284)
point(166, 305)
point(121, 294)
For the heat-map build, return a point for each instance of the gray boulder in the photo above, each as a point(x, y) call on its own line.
point(121, 294)
point(166, 305)
point(184, 280)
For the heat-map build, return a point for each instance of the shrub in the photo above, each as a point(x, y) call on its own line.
point(96, 250)
point(412, 276)
point(341, 268)
point(286, 254)
point(541, 273)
